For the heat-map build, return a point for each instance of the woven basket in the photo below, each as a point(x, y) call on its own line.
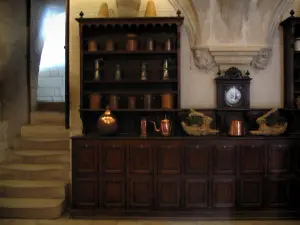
point(196, 130)
point(269, 130)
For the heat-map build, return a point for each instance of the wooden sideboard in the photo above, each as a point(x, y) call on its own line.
point(204, 177)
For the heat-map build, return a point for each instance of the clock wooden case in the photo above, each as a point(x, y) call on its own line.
point(233, 89)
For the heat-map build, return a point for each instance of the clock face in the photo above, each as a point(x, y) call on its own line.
point(233, 96)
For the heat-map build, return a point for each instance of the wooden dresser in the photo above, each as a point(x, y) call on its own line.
point(209, 177)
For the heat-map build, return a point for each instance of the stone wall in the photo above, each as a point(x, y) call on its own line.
point(197, 86)
point(51, 85)
point(12, 71)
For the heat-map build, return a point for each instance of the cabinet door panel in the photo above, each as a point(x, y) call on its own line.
point(169, 159)
point(279, 158)
point(85, 156)
point(196, 192)
point(278, 192)
point(223, 192)
point(85, 193)
point(113, 192)
point(251, 192)
point(140, 192)
point(168, 193)
point(140, 159)
point(252, 158)
point(224, 159)
point(197, 159)
point(113, 158)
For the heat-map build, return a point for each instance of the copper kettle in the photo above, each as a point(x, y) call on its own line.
point(237, 128)
point(165, 127)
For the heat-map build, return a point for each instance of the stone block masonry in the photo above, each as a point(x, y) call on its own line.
point(51, 84)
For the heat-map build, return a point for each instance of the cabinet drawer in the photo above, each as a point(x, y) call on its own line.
point(224, 159)
point(85, 156)
point(169, 159)
point(252, 158)
point(279, 158)
point(113, 158)
point(197, 158)
point(85, 193)
point(140, 159)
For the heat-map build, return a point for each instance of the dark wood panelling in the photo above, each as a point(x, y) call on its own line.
point(189, 176)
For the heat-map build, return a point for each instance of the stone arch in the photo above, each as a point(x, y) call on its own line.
point(191, 20)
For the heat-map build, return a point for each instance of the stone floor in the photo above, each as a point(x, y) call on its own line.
point(66, 221)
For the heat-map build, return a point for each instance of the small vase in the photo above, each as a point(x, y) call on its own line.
point(128, 8)
point(150, 9)
point(103, 11)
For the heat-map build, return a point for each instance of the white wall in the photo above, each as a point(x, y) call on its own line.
point(198, 88)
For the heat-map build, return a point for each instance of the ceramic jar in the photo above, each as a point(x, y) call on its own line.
point(128, 8)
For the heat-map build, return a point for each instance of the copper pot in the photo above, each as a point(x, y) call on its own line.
point(237, 128)
point(167, 101)
point(92, 46)
point(95, 101)
point(131, 44)
point(107, 123)
point(109, 45)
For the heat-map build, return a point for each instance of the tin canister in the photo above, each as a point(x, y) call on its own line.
point(92, 46)
point(113, 102)
point(131, 102)
point(167, 101)
point(95, 101)
point(147, 101)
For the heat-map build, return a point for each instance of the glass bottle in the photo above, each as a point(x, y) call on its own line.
point(98, 73)
point(165, 70)
point(118, 72)
point(144, 71)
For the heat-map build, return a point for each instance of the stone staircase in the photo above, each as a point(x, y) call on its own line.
point(33, 181)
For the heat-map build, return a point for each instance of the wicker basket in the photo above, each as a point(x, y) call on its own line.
point(199, 130)
point(266, 130)
point(270, 130)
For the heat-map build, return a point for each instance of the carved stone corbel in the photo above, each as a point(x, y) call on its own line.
point(203, 59)
point(262, 59)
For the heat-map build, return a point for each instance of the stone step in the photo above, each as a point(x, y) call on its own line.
point(40, 156)
point(32, 189)
point(31, 208)
point(48, 118)
point(42, 143)
point(18, 171)
point(44, 131)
